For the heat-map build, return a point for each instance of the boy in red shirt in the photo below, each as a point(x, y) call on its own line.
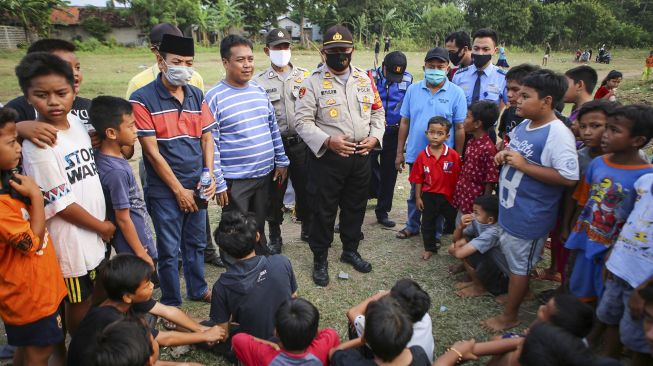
point(435, 174)
point(300, 341)
point(31, 283)
point(479, 175)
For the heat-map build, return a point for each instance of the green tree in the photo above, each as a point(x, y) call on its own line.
point(511, 19)
point(33, 15)
point(96, 27)
point(438, 21)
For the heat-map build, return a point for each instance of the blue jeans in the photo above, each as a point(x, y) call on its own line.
point(413, 223)
point(176, 230)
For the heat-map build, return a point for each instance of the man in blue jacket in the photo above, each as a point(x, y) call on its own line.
point(392, 81)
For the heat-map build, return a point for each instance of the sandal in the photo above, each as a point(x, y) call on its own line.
point(168, 324)
point(405, 234)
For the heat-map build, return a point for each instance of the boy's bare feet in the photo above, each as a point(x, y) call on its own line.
point(471, 291)
point(499, 323)
point(427, 255)
point(456, 268)
point(462, 284)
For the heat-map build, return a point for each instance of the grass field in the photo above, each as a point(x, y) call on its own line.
point(108, 72)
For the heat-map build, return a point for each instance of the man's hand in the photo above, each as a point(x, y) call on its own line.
point(107, 231)
point(419, 203)
point(466, 220)
point(222, 198)
point(280, 175)
point(209, 192)
point(27, 187)
point(364, 147)
point(400, 162)
point(186, 200)
point(40, 134)
point(515, 160)
point(340, 145)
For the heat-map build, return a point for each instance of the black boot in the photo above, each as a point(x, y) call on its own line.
point(320, 269)
point(275, 243)
point(305, 230)
point(353, 258)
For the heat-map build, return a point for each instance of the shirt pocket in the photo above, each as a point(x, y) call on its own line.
point(365, 102)
point(330, 110)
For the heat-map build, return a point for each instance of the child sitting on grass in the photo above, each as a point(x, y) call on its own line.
point(300, 341)
point(387, 332)
point(415, 302)
point(435, 174)
point(252, 289)
point(31, 283)
point(126, 279)
point(476, 243)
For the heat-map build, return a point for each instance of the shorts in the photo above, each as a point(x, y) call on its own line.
point(586, 280)
point(521, 254)
point(492, 270)
point(546, 56)
point(613, 309)
point(80, 288)
point(41, 333)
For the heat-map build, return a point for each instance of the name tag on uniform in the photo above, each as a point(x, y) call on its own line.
point(403, 85)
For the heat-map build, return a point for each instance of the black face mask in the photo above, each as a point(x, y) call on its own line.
point(338, 61)
point(455, 57)
point(480, 60)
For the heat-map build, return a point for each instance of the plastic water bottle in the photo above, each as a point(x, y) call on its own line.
point(205, 182)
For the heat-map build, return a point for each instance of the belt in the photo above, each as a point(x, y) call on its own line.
point(292, 140)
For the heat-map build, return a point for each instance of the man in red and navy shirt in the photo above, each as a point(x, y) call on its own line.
point(174, 130)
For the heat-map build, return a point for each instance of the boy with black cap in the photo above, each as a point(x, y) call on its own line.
point(392, 81)
point(432, 97)
point(174, 128)
point(340, 117)
point(281, 82)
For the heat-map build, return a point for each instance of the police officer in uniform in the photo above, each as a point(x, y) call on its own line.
point(340, 117)
point(392, 81)
point(281, 82)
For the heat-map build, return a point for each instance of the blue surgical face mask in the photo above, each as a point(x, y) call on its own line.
point(434, 76)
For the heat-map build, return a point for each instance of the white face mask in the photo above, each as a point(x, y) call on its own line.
point(178, 75)
point(280, 58)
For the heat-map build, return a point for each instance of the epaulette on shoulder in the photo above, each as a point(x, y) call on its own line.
point(408, 77)
point(501, 71)
point(462, 69)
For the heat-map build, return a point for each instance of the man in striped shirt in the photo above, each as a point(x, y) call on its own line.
point(249, 153)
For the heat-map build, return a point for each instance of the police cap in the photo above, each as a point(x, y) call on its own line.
point(395, 64)
point(338, 36)
point(277, 36)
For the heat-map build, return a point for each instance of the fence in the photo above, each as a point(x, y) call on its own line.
point(11, 37)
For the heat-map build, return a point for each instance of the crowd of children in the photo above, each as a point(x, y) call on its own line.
point(585, 187)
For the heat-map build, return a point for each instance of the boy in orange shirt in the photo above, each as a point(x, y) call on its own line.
point(648, 67)
point(31, 283)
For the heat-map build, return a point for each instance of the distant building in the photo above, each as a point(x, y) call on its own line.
point(312, 31)
point(67, 24)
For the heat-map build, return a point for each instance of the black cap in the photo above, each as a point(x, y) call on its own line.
point(437, 52)
point(395, 64)
point(277, 36)
point(176, 45)
point(157, 32)
point(338, 36)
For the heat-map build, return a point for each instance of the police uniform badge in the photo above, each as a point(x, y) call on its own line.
point(331, 102)
point(299, 80)
point(327, 84)
point(398, 69)
point(302, 91)
point(366, 99)
point(336, 37)
point(333, 113)
point(280, 34)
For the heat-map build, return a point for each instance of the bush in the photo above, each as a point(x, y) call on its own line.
point(96, 27)
point(89, 45)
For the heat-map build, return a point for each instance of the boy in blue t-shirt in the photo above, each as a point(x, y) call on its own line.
point(538, 163)
point(114, 123)
point(611, 178)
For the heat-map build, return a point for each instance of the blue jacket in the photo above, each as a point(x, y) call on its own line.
point(392, 95)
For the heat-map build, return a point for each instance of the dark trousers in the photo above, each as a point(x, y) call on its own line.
point(435, 205)
point(297, 153)
point(250, 196)
point(335, 181)
point(384, 174)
